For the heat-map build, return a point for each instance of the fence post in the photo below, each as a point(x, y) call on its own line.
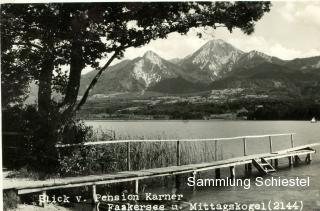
point(94, 194)
point(292, 143)
point(232, 172)
point(178, 154)
point(290, 161)
point(308, 158)
point(244, 146)
point(128, 157)
point(270, 143)
point(276, 163)
point(178, 164)
point(216, 150)
point(218, 173)
point(136, 189)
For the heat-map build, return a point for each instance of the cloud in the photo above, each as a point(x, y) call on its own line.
point(174, 46)
point(271, 48)
point(310, 15)
point(307, 13)
point(282, 52)
point(287, 11)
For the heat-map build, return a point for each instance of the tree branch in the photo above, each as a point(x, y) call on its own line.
point(95, 80)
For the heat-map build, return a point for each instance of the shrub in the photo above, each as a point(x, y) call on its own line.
point(33, 144)
point(84, 160)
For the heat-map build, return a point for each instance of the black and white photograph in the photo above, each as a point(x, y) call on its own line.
point(160, 105)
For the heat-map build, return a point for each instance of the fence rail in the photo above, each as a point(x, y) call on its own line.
point(173, 140)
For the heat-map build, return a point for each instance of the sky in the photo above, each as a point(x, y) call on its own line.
point(290, 30)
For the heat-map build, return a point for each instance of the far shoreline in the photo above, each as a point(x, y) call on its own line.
point(186, 120)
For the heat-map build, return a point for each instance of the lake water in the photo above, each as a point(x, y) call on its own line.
point(305, 133)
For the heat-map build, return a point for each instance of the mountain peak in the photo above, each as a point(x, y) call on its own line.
point(218, 46)
point(217, 42)
point(150, 54)
point(215, 58)
point(153, 58)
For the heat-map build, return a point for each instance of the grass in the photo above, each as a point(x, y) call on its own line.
point(110, 158)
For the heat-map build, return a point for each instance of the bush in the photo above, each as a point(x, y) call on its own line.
point(33, 144)
point(84, 160)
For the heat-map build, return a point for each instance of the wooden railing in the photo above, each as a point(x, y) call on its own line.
point(178, 151)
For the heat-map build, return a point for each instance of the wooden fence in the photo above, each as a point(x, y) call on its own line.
point(178, 141)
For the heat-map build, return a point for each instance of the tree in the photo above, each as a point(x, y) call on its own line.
point(39, 39)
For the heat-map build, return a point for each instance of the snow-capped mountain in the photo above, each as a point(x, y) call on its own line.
point(215, 64)
point(151, 69)
point(134, 75)
point(254, 58)
point(212, 61)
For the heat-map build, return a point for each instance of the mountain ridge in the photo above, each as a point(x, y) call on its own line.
point(213, 63)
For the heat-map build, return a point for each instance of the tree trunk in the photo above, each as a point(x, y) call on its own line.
point(76, 67)
point(45, 90)
point(44, 135)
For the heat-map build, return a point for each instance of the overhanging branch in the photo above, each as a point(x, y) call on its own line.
point(95, 80)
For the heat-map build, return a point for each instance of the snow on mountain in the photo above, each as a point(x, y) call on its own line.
point(215, 62)
point(151, 68)
point(254, 58)
point(215, 54)
point(135, 75)
point(214, 59)
point(153, 58)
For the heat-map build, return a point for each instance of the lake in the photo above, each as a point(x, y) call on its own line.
point(305, 133)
